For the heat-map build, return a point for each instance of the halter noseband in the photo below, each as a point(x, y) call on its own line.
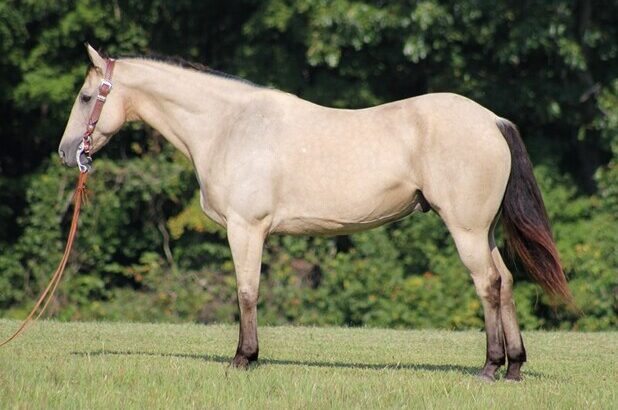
point(86, 144)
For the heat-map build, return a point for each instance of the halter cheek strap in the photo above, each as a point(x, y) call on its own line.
point(86, 144)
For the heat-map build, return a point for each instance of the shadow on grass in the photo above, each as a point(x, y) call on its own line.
point(468, 370)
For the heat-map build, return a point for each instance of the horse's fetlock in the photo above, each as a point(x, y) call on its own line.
point(517, 355)
point(496, 358)
point(249, 351)
point(496, 354)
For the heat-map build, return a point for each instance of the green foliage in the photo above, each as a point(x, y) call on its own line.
point(146, 252)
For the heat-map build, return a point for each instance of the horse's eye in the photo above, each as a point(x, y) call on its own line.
point(85, 98)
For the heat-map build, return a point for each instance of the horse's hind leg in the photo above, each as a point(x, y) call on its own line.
point(515, 351)
point(474, 251)
point(246, 242)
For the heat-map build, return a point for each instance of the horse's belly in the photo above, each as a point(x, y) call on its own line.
point(342, 213)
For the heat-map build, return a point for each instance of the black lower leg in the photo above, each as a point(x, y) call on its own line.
point(495, 356)
point(517, 357)
point(247, 350)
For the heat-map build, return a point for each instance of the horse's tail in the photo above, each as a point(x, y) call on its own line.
point(524, 217)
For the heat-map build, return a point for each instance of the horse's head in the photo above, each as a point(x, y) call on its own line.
point(111, 120)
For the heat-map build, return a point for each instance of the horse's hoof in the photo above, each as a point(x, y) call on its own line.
point(488, 373)
point(241, 362)
point(486, 377)
point(513, 371)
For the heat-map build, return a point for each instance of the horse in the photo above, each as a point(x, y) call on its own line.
point(269, 162)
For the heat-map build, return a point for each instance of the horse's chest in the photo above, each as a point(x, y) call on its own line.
point(211, 206)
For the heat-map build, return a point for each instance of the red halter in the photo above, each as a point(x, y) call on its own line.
point(104, 89)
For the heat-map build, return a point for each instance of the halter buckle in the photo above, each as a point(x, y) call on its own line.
point(106, 83)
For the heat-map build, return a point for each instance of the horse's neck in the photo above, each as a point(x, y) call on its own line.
point(189, 108)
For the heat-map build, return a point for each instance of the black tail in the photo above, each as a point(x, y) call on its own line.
point(525, 220)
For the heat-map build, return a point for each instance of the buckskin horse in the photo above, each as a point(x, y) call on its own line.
point(269, 162)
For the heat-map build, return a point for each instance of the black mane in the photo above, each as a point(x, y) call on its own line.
point(181, 62)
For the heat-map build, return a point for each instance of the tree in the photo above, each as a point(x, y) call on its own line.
point(550, 66)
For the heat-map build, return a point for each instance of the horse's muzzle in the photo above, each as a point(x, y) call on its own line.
point(67, 152)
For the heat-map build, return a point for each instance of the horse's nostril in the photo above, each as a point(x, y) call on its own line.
point(61, 153)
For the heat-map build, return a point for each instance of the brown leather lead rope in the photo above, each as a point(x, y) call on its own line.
point(48, 293)
point(78, 198)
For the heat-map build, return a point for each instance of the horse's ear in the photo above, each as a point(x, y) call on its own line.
point(95, 57)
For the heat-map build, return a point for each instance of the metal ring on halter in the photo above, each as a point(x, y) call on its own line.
point(83, 167)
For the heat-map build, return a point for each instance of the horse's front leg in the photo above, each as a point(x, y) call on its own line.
point(246, 242)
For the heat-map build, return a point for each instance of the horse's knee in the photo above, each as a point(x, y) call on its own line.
point(247, 297)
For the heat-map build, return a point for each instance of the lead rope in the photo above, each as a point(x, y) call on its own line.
point(48, 293)
point(84, 164)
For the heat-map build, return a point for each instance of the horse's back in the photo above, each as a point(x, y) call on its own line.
point(324, 170)
point(444, 145)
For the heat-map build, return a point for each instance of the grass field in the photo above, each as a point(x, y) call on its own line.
point(110, 365)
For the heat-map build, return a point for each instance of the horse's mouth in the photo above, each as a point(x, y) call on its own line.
point(71, 156)
point(68, 159)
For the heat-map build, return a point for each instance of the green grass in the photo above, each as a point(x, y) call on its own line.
point(111, 365)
